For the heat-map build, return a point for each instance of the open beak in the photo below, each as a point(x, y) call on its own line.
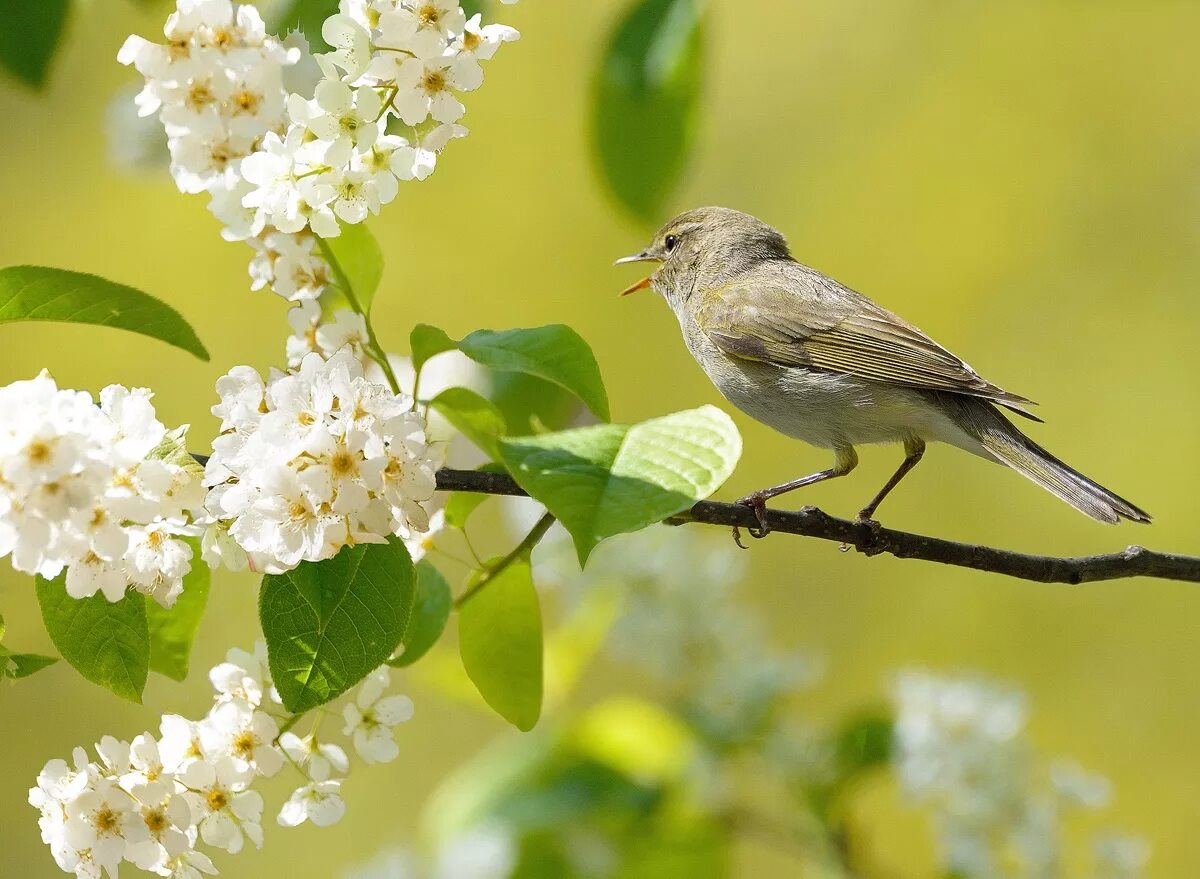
point(637, 257)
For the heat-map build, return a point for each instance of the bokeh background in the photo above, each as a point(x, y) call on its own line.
point(1022, 180)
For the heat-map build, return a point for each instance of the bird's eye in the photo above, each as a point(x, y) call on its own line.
point(671, 241)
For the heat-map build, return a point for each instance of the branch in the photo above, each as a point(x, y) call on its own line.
point(872, 539)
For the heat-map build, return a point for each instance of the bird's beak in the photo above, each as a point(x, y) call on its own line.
point(637, 257)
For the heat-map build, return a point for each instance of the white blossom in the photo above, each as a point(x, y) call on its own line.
point(84, 487)
point(332, 459)
point(318, 801)
point(370, 718)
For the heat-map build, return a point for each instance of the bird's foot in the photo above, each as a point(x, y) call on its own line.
point(758, 503)
point(869, 543)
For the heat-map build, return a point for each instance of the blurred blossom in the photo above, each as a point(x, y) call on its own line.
point(1120, 857)
point(962, 755)
point(135, 142)
point(484, 852)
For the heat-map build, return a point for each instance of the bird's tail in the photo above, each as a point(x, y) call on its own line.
point(1004, 442)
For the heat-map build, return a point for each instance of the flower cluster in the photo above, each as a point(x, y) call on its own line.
point(961, 753)
point(97, 490)
point(282, 165)
point(311, 461)
point(218, 88)
point(402, 60)
point(153, 800)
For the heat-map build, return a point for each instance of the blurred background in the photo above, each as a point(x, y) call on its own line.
point(1021, 180)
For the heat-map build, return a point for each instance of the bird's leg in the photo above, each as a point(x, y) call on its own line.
point(914, 449)
point(846, 459)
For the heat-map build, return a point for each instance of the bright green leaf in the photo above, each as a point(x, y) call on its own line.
point(460, 505)
point(31, 32)
point(500, 641)
point(647, 93)
point(431, 610)
point(475, 417)
point(555, 353)
point(471, 7)
point(106, 642)
point(172, 630)
point(330, 624)
point(426, 341)
point(305, 16)
point(22, 665)
point(612, 478)
point(357, 263)
point(41, 293)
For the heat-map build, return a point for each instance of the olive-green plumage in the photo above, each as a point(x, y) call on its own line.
point(822, 363)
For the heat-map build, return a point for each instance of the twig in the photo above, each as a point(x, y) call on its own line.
point(872, 539)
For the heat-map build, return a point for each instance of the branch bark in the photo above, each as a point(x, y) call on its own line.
point(872, 539)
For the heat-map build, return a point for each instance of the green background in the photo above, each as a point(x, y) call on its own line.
point(1022, 180)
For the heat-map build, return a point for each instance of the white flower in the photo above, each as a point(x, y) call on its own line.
point(342, 119)
point(371, 717)
point(425, 28)
point(426, 88)
point(179, 743)
point(419, 544)
point(319, 802)
point(225, 810)
point(351, 44)
point(417, 159)
point(485, 852)
point(245, 735)
point(1120, 857)
point(102, 822)
point(318, 759)
point(334, 459)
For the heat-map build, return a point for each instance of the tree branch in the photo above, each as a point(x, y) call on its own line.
point(872, 539)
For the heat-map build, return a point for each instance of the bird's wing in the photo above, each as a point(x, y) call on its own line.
point(816, 323)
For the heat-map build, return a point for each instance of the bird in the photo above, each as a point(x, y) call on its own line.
point(819, 362)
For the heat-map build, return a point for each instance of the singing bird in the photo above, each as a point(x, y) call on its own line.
point(819, 362)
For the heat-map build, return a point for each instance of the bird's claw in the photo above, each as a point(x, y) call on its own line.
point(759, 504)
point(870, 544)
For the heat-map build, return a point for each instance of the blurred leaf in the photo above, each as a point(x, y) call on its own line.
point(330, 624)
point(555, 353)
point(646, 101)
point(426, 341)
point(471, 7)
point(860, 744)
point(22, 665)
point(530, 403)
point(637, 737)
point(356, 260)
point(172, 630)
point(106, 642)
point(574, 642)
point(500, 641)
point(611, 478)
point(29, 36)
point(41, 293)
point(472, 415)
point(431, 610)
point(306, 16)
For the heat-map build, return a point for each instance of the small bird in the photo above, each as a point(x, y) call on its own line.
point(819, 362)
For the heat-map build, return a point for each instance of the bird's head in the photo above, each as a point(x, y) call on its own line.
point(706, 245)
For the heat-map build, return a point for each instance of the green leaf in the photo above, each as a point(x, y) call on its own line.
point(531, 404)
point(460, 505)
point(500, 641)
point(862, 743)
point(471, 7)
point(613, 478)
point(357, 263)
point(30, 34)
point(22, 665)
point(426, 341)
point(41, 293)
point(330, 624)
point(472, 415)
point(305, 16)
point(431, 610)
point(555, 353)
point(173, 450)
point(106, 642)
point(648, 92)
point(172, 630)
